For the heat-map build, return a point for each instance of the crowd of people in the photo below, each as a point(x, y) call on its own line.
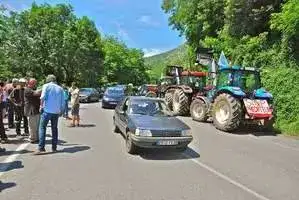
point(21, 101)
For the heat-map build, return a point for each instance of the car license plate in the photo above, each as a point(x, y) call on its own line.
point(167, 142)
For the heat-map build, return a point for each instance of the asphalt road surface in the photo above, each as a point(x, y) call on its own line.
point(92, 164)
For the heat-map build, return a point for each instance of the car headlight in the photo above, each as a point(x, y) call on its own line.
point(105, 98)
point(143, 132)
point(186, 132)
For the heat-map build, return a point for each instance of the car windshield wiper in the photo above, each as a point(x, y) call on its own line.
point(140, 113)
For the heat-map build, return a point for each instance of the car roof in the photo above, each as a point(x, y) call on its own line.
point(144, 98)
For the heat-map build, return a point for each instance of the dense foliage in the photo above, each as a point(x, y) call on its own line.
point(51, 40)
point(262, 34)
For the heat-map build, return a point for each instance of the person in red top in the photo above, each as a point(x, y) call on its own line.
point(3, 136)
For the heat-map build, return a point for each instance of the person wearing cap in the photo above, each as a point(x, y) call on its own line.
point(51, 106)
point(31, 109)
point(10, 108)
point(17, 98)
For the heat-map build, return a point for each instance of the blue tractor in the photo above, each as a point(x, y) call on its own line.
point(233, 96)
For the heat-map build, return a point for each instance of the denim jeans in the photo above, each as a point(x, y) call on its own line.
point(44, 119)
point(66, 108)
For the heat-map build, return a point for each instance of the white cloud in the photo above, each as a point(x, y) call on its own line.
point(148, 20)
point(122, 33)
point(152, 52)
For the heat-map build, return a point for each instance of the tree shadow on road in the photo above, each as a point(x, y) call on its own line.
point(7, 153)
point(256, 131)
point(4, 186)
point(4, 167)
point(168, 154)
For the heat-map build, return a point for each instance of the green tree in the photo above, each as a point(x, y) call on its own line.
point(52, 40)
point(123, 65)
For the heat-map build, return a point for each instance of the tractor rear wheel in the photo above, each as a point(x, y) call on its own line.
point(180, 102)
point(169, 100)
point(198, 110)
point(227, 112)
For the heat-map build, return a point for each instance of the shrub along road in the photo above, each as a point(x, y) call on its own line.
point(92, 164)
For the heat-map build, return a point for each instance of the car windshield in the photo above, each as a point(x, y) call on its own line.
point(149, 107)
point(85, 90)
point(115, 92)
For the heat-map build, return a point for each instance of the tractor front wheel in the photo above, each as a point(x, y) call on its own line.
point(198, 110)
point(227, 112)
point(180, 102)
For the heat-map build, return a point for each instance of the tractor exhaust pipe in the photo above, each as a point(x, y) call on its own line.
point(177, 76)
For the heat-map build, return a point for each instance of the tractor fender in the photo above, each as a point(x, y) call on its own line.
point(235, 91)
point(186, 89)
point(204, 99)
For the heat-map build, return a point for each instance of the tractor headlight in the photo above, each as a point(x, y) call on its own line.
point(186, 132)
point(143, 132)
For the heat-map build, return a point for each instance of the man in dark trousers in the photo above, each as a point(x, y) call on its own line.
point(31, 109)
point(17, 98)
point(9, 88)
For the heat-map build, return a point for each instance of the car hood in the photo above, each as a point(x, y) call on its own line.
point(158, 122)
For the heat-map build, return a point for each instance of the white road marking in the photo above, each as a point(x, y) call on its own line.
point(12, 158)
point(219, 174)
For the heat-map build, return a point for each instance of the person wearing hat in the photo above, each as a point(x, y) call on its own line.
point(17, 98)
point(31, 109)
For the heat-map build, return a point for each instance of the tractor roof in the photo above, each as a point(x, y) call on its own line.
point(238, 68)
point(194, 73)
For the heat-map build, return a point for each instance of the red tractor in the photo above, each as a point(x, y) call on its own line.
point(181, 88)
point(148, 90)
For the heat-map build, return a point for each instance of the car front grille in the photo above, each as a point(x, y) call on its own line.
point(165, 133)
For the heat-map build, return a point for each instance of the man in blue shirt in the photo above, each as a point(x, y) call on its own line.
point(52, 106)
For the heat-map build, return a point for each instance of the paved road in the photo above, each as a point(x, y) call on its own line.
point(92, 164)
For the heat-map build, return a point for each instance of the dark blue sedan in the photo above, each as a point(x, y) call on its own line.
point(147, 123)
point(112, 96)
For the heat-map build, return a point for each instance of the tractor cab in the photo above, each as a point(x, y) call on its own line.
point(194, 79)
point(247, 79)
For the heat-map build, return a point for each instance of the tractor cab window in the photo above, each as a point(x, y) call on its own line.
point(246, 80)
point(193, 81)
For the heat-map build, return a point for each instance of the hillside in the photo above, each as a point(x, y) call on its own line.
point(177, 56)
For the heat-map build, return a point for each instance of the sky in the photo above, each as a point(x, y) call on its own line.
point(139, 23)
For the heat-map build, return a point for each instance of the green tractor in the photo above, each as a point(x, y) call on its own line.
point(178, 88)
point(234, 97)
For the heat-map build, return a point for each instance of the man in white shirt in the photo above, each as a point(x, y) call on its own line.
point(75, 103)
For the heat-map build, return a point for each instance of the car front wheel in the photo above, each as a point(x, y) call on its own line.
point(130, 146)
